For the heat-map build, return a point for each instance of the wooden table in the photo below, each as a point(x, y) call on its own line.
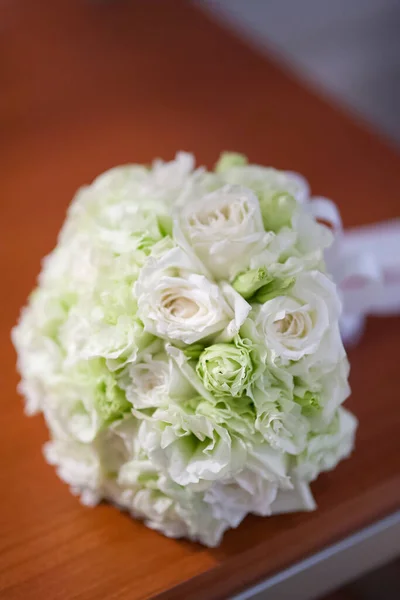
point(84, 86)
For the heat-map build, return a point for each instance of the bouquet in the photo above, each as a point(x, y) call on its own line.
point(183, 346)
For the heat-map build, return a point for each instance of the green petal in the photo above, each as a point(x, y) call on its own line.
point(249, 282)
point(193, 351)
point(310, 403)
point(277, 287)
point(165, 224)
point(227, 160)
point(110, 400)
point(226, 369)
point(277, 210)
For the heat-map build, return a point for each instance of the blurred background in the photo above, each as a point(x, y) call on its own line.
point(347, 49)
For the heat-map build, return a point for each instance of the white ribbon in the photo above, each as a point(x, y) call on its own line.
point(365, 263)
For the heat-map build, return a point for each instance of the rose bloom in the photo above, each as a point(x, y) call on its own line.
point(153, 380)
point(293, 326)
point(176, 303)
point(224, 228)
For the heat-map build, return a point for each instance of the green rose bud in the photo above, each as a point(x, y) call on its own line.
point(249, 282)
point(309, 403)
point(226, 369)
point(276, 287)
point(277, 210)
point(193, 351)
point(227, 160)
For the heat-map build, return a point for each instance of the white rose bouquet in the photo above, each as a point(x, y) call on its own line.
point(184, 349)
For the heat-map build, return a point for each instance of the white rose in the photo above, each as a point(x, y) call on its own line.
point(165, 506)
point(190, 447)
point(320, 394)
point(82, 400)
point(135, 183)
point(79, 466)
point(233, 498)
point(330, 353)
point(87, 335)
point(153, 381)
point(149, 494)
point(39, 356)
point(293, 326)
point(176, 303)
point(326, 449)
point(174, 173)
point(299, 498)
point(282, 425)
point(224, 228)
point(86, 466)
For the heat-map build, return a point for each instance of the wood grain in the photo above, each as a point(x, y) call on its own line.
point(87, 85)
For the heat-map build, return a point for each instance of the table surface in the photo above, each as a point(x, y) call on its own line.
point(87, 85)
